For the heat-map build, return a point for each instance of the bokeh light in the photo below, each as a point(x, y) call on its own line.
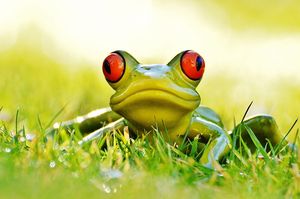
point(157, 30)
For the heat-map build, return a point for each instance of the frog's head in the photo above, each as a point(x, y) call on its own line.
point(148, 95)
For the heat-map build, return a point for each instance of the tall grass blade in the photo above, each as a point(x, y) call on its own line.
point(55, 116)
point(271, 147)
point(247, 110)
point(295, 149)
point(16, 137)
point(236, 132)
point(194, 145)
point(240, 157)
point(278, 146)
point(183, 144)
point(296, 138)
point(40, 123)
point(257, 143)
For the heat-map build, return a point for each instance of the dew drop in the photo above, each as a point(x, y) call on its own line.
point(106, 188)
point(22, 139)
point(52, 164)
point(30, 136)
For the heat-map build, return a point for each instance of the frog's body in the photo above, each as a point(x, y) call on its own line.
point(165, 97)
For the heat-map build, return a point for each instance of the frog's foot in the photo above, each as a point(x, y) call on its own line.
point(212, 136)
point(89, 122)
point(120, 123)
point(263, 126)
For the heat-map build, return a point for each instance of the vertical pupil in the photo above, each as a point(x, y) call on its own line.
point(107, 67)
point(198, 63)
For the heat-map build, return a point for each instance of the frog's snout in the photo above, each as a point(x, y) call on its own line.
point(153, 71)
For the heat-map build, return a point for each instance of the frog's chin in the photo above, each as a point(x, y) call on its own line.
point(148, 108)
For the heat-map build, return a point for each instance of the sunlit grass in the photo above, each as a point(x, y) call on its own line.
point(39, 85)
point(116, 166)
point(35, 87)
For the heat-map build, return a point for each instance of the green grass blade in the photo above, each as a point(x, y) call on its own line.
point(55, 116)
point(240, 157)
point(182, 145)
point(296, 138)
point(16, 137)
point(256, 142)
point(244, 148)
point(294, 152)
point(271, 147)
point(235, 134)
point(194, 145)
point(278, 146)
point(40, 124)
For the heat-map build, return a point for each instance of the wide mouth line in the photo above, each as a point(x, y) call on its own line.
point(127, 94)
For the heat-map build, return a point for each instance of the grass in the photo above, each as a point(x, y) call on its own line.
point(59, 167)
point(35, 88)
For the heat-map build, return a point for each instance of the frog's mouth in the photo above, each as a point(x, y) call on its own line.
point(156, 93)
point(146, 103)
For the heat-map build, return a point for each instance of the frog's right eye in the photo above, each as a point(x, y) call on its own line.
point(113, 67)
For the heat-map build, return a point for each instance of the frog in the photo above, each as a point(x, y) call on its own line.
point(164, 97)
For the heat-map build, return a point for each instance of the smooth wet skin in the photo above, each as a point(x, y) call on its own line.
point(155, 95)
point(165, 97)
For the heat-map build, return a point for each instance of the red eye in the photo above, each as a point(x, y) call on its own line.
point(192, 64)
point(113, 67)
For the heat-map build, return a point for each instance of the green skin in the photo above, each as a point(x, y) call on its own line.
point(161, 96)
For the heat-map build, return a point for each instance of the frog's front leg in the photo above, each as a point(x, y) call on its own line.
point(89, 122)
point(207, 125)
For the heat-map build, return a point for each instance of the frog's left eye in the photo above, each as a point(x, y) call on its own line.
point(192, 65)
point(113, 67)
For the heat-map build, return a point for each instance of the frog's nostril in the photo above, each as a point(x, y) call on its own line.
point(146, 67)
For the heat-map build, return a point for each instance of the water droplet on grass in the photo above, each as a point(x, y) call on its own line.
point(7, 150)
point(106, 188)
point(52, 164)
point(22, 139)
point(30, 136)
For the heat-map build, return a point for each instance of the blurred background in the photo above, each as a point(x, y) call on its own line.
point(51, 53)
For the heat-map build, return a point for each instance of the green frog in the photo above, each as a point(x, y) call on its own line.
point(165, 97)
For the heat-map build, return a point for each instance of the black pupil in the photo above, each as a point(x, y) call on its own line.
point(107, 66)
point(198, 63)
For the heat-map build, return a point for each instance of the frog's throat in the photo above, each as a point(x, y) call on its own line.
point(171, 133)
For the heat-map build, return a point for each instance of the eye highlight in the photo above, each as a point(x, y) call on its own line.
point(192, 65)
point(113, 67)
